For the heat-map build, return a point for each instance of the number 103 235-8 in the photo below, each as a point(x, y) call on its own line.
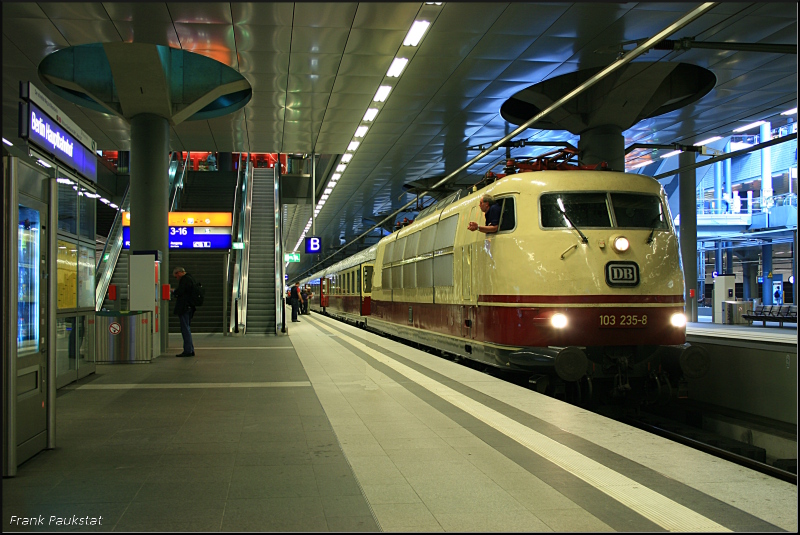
point(623, 320)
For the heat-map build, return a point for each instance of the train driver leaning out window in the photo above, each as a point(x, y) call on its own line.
point(492, 211)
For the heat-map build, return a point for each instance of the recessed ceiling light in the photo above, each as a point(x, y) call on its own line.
point(416, 32)
point(673, 153)
point(352, 146)
point(335, 177)
point(793, 111)
point(371, 114)
point(346, 158)
point(707, 141)
point(382, 93)
point(750, 126)
point(396, 68)
point(340, 168)
point(7, 142)
point(361, 131)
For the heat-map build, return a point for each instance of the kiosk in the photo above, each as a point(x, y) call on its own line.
point(144, 287)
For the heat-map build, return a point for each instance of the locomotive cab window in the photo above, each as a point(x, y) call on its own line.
point(508, 219)
point(563, 210)
point(637, 210)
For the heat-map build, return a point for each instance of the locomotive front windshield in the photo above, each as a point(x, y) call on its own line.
point(636, 210)
point(602, 210)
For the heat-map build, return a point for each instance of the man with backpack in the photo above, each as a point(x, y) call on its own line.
point(186, 296)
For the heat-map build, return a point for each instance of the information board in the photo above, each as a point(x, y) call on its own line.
point(191, 238)
point(191, 230)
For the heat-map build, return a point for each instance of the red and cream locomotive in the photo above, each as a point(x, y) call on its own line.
point(581, 282)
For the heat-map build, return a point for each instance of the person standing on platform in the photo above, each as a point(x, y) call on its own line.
point(184, 308)
point(304, 306)
point(492, 211)
point(296, 299)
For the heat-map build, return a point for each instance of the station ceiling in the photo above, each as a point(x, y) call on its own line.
point(314, 69)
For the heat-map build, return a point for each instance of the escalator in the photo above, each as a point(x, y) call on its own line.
point(264, 277)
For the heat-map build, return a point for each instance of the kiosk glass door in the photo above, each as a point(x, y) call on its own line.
point(31, 417)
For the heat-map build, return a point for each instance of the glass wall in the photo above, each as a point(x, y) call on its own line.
point(75, 274)
point(67, 275)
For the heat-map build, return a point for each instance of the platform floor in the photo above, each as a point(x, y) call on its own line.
point(332, 428)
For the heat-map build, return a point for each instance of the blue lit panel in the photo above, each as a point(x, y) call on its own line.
point(213, 238)
point(28, 297)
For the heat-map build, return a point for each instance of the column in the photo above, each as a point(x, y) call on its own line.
point(687, 208)
point(766, 272)
point(603, 144)
point(718, 188)
point(765, 134)
point(149, 193)
point(729, 257)
point(224, 161)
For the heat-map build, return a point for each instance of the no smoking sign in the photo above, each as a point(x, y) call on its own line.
point(114, 328)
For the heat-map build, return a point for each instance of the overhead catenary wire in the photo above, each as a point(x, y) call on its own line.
point(624, 60)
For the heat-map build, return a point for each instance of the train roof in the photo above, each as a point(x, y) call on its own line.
point(359, 258)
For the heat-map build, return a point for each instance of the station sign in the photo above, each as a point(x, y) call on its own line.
point(291, 257)
point(191, 230)
point(28, 91)
point(313, 245)
point(46, 133)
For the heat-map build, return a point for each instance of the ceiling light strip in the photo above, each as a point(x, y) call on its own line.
point(425, 17)
point(642, 48)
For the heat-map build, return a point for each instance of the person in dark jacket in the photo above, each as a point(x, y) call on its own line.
point(492, 213)
point(184, 308)
point(304, 307)
point(295, 299)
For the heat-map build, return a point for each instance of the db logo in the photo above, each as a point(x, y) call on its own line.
point(622, 274)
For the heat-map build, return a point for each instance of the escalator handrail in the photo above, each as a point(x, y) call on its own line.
point(245, 265)
point(105, 267)
point(174, 197)
point(235, 258)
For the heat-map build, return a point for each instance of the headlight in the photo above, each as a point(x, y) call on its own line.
point(678, 320)
point(558, 320)
point(621, 244)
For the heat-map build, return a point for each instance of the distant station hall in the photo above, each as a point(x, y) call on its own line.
point(406, 267)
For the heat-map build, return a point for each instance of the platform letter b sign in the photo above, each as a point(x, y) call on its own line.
point(313, 245)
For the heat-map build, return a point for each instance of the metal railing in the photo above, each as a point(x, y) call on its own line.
point(177, 186)
point(244, 269)
point(241, 261)
point(745, 205)
point(113, 245)
point(234, 260)
point(111, 252)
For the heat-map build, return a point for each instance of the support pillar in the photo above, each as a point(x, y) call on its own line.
point(794, 267)
point(687, 208)
point(766, 274)
point(718, 257)
point(729, 257)
point(603, 144)
point(149, 193)
point(765, 134)
point(224, 161)
point(718, 188)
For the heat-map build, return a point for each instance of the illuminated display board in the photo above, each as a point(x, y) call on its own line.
point(191, 230)
point(313, 245)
